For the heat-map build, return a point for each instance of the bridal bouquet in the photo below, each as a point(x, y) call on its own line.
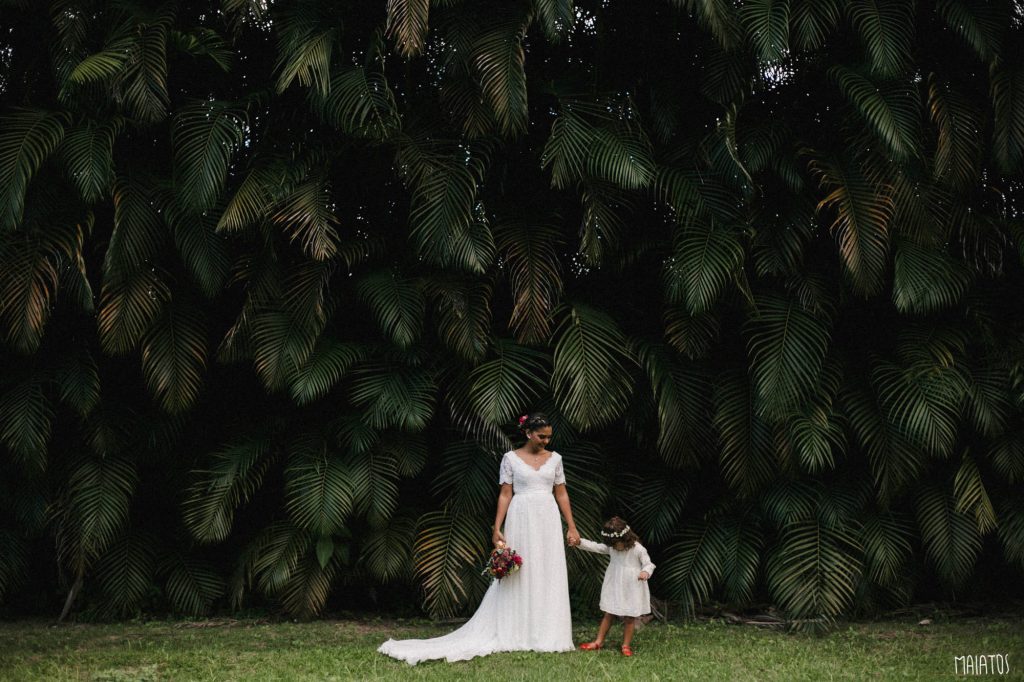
point(502, 562)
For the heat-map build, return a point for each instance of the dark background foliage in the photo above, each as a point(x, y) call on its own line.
point(277, 277)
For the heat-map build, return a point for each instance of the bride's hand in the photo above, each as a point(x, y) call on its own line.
point(498, 540)
point(572, 537)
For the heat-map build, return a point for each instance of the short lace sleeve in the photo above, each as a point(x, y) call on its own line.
point(505, 472)
point(559, 472)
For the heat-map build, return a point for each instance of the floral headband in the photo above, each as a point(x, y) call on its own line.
point(615, 535)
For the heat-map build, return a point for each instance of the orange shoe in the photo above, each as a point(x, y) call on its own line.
point(591, 646)
point(626, 651)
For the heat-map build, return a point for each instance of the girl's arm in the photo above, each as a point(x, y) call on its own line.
point(504, 497)
point(562, 498)
point(645, 560)
point(595, 547)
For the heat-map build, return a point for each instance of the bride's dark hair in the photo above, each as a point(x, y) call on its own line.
point(533, 421)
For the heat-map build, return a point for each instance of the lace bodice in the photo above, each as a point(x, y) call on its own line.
point(525, 479)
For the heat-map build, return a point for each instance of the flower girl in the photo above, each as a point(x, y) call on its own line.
point(624, 591)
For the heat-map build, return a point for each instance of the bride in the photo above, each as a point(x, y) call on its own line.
point(529, 609)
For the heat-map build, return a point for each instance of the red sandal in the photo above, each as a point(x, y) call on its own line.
point(626, 651)
point(590, 646)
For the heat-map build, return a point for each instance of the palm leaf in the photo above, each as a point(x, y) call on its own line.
point(498, 56)
point(555, 17)
point(325, 366)
point(205, 42)
point(125, 572)
point(1007, 89)
point(397, 304)
point(691, 335)
point(78, 381)
point(28, 138)
point(446, 546)
point(530, 251)
point(891, 111)
point(146, 75)
point(656, 504)
point(29, 280)
point(500, 387)
point(812, 21)
point(361, 102)
point(466, 479)
point(590, 379)
point(202, 250)
point(386, 552)
point(96, 499)
point(680, 392)
point(1011, 530)
point(705, 259)
point(233, 477)
point(305, 45)
point(695, 564)
point(886, 27)
point(13, 562)
point(139, 228)
point(25, 420)
point(747, 457)
point(980, 24)
point(394, 395)
point(923, 402)
point(951, 538)
point(958, 150)
point(886, 539)
point(318, 493)
point(443, 211)
point(972, 496)
point(205, 135)
point(306, 212)
point(926, 279)
point(407, 25)
point(464, 317)
point(767, 25)
point(787, 347)
point(88, 155)
point(862, 212)
point(193, 585)
point(174, 356)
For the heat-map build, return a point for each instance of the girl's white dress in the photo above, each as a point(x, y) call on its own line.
point(622, 592)
point(528, 610)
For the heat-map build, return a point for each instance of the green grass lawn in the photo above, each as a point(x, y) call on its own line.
point(345, 650)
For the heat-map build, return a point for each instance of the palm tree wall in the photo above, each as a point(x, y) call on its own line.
point(277, 276)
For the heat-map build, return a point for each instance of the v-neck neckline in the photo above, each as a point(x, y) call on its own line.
point(550, 457)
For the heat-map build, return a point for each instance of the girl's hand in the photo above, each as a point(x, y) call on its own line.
point(572, 537)
point(498, 540)
point(644, 575)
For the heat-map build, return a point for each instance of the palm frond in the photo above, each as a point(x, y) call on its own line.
point(891, 110)
point(886, 540)
point(862, 212)
point(447, 544)
point(1011, 530)
point(329, 361)
point(27, 138)
point(813, 21)
point(747, 451)
point(767, 26)
point(88, 154)
point(361, 103)
point(205, 42)
point(397, 303)
point(29, 280)
point(705, 259)
point(695, 564)
point(125, 572)
point(305, 45)
point(232, 478)
point(656, 504)
point(886, 27)
point(26, 417)
point(94, 510)
point(980, 24)
point(146, 75)
point(464, 317)
point(192, 585)
point(555, 17)
point(951, 538)
point(139, 227)
point(1006, 81)
point(318, 493)
point(498, 56)
point(691, 335)
point(680, 392)
point(959, 147)
point(202, 250)
point(813, 571)
point(718, 17)
point(394, 395)
point(407, 25)
point(205, 135)
point(306, 212)
point(530, 251)
point(500, 387)
point(174, 354)
point(386, 552)
point(78, 381)
point(590, 377)
point(926, 279)
point(467, 479)
point(923, 402)
point(972, 496)
point(13, 562)
point(787, 347)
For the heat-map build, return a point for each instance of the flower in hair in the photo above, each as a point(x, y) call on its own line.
point(522, 420)
point(615, 535)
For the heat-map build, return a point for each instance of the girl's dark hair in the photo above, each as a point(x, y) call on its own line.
point(533, 421)
point(613, 527)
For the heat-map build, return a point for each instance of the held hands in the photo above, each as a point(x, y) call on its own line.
point(572, 537)
point(644, 575)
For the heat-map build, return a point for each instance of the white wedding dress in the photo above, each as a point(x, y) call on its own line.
point(528, 610)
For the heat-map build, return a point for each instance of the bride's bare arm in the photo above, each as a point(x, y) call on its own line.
point(562, 498)
point(504, 497)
